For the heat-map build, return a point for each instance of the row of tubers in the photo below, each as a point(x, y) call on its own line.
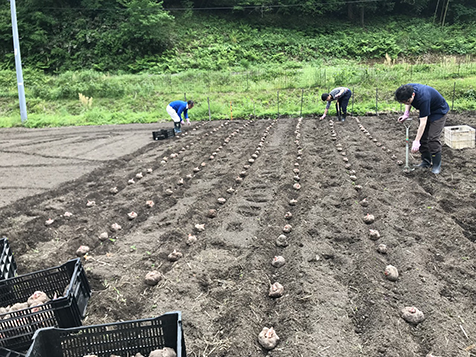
point(410, 314)
point(268, 338)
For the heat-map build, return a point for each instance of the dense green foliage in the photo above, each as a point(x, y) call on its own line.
point(140, 35)
point(217, 44)
point(107, 66)
point(95, 34)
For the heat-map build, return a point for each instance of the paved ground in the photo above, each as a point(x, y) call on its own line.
point(73, 151)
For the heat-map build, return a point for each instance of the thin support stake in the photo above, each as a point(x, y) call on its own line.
point(231, 110)
point(453, 100)
point(376, 101)
point(278, 103)
point(302, 95)
point(209, 111)
point(353, 93)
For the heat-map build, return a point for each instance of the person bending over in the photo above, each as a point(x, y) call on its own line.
point(175, 110)
point(433, 110)
point(341, 95)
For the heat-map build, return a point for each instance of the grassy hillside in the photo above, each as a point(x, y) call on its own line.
point(244, 69)
point(219, 43)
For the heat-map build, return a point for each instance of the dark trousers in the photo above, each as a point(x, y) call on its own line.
point(344, 101)
point(430, 140)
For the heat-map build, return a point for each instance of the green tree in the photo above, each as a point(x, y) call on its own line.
point(74, 34)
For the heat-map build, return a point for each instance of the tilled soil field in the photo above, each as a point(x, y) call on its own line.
point(250, 191)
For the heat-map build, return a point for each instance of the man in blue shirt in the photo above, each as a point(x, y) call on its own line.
point(341, 95)
point(175, 110)
point(433, 112)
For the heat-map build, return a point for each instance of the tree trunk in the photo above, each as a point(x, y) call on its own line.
point(362, 12)
point(442, 11)
point(436, 10)
point(350, 11)
point(444, 16)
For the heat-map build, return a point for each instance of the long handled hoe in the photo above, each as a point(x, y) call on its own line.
point(407, 124)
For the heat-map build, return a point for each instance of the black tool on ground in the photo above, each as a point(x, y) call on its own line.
point(67, 288)
point(120, 338)
point(163, 134)
point(8, 267)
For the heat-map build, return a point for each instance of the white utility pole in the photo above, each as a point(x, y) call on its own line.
point(16, 48)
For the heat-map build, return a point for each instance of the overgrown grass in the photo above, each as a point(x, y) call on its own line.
point(258, 91)
point(251, 68)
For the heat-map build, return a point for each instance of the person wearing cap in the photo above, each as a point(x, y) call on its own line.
point(341, 95)
point(433, 110)
point(175, 110)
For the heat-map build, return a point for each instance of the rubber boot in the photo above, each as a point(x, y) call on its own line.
point(344, 116)
point(177, 127)
point(436, 158)
point(425, 161)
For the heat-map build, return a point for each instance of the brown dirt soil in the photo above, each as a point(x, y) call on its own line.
point(337, 301)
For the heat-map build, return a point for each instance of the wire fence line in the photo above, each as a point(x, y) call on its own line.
point(296, 91)
point(299, 102)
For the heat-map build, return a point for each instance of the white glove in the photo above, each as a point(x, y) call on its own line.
point(404, 117)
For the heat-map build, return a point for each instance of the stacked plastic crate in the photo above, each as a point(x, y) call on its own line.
point(53, 328)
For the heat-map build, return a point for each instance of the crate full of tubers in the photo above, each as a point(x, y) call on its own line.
point(54, 297)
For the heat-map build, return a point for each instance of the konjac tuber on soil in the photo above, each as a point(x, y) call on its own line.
point(412, 315)
point(174, 256)
point(268, 338)
point(382, 249)
point(153, 277)
point(391, 273)
point(82, 251)
point(276, 290)
point(278, 261)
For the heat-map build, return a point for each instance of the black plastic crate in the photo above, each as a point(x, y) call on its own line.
point(67, 282)
point(125, 339)
point(163, 134)
point(5, 352)
point(8, 267)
